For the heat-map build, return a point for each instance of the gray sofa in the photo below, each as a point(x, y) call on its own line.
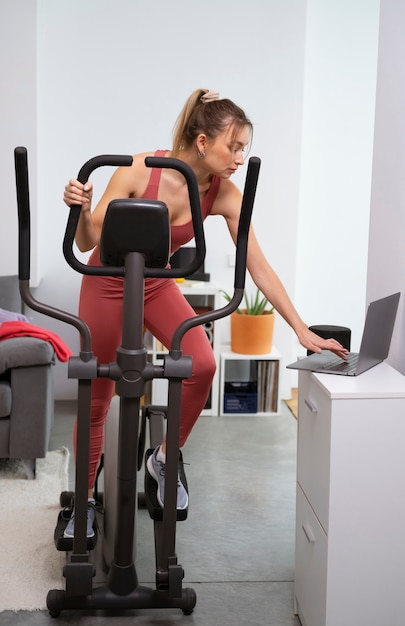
point(26, 389)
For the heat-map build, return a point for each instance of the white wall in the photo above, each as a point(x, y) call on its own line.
point(386, 266)
point(18, 117)
point(336, 162)
point(111, 77)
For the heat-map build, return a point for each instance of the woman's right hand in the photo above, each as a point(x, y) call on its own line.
point(76, 193)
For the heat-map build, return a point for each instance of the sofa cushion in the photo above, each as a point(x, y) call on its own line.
point(5, 399)
point(25, 352)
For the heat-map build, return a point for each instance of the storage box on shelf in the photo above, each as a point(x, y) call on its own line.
point(248, 383)
point(202, 296)
point(350, 503)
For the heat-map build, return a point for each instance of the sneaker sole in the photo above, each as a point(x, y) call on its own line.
point(68, 536)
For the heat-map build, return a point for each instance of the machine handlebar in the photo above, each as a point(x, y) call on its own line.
point(244, 221)
point(23, 203)
point(158, 162)
point(21, 170)
point(74, 214)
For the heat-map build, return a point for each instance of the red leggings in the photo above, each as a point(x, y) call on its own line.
point(165, 308)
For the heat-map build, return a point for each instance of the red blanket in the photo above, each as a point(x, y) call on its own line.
point(23, 329)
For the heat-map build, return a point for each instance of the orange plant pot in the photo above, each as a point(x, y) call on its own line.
point(252, 334)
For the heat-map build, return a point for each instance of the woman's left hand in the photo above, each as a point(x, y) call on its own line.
point(311, 341)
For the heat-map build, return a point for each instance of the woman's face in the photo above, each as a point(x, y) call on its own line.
point(225, 153)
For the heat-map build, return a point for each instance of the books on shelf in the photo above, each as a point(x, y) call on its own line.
point(267, 386)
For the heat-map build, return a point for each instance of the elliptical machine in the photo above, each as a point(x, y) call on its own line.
point(135, 244)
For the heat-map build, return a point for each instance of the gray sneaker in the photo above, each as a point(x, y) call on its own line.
point(91, 516)
point(157, 470)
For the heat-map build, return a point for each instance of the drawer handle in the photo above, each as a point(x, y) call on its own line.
point(311, 405)
point(308, 533)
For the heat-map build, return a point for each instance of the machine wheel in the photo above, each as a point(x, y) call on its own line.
point(190, 601)
point(188, 611)
point(54, 602)
point(65, 498)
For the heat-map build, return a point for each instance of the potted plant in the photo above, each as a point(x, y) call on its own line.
point(252, 327)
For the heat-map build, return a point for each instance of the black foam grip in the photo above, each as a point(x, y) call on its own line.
point(244, 221)
point(114, 160)
point(23, 207)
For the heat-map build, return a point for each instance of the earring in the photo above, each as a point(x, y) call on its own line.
point(201, 154)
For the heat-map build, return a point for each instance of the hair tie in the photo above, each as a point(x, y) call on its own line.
point(209, 96)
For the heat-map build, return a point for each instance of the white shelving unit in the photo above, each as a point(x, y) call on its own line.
point(202, 296)
point(241, 369)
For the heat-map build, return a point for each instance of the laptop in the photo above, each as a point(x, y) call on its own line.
point(374, 348)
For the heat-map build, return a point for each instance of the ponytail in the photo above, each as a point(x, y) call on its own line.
point(204, 112)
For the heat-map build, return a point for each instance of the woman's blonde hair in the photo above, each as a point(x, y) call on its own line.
point(210, 116)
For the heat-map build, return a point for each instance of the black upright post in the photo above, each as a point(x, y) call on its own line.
point(131, 359)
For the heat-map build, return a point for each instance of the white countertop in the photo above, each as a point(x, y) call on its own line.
point(381, 381)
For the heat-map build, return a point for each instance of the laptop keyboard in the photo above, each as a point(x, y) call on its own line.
point(338, 364)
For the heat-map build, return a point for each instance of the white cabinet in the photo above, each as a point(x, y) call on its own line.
point(202, 297)
point(350, 524)
point(249, 383)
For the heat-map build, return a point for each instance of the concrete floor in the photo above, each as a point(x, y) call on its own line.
point(237, 545)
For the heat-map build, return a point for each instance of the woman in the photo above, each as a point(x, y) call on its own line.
point(211, 136)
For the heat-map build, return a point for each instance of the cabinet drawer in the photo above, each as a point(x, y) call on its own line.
point(310, 565)
point(313, 448)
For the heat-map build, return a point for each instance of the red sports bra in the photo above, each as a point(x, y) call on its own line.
point(183, 233)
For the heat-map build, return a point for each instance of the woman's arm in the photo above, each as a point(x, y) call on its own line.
point(270, 285)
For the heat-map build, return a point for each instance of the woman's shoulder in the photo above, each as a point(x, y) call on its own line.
point(135, 177)
point(228, 199)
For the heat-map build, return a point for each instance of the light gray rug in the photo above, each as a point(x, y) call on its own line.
point(30, 565)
